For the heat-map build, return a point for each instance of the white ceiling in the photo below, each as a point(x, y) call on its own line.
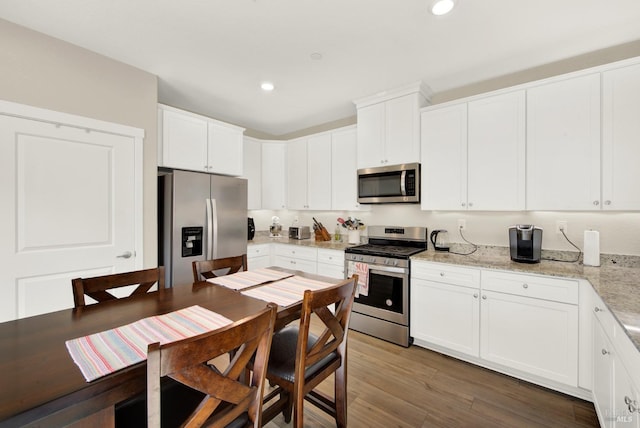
point(211, 55)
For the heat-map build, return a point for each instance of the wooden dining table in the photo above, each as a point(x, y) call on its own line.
point(41, 386)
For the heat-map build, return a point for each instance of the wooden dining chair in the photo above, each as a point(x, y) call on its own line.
point(300, 361)
point(97, 287)
point(206, 269)
point(184, 389)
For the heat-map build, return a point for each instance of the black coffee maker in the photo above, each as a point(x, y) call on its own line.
point(525, 241)
point(251, 229)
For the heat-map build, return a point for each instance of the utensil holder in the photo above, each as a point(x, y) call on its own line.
point(354, 237)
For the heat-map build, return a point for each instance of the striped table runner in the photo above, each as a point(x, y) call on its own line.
point(103, 353)
point(286, 292)
point(245, 279)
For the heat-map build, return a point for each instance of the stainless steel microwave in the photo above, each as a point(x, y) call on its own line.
point(389, 184)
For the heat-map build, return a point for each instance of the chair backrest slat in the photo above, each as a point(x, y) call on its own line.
point(97, 287)
point(206, 269)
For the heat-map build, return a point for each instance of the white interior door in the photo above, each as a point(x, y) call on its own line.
point(69, 210)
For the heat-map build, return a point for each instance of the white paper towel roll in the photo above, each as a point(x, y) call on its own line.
point(591, 248)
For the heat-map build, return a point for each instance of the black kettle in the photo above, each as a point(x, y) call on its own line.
point(251, 228)
point(440, 240)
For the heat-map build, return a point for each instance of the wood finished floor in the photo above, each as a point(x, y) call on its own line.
point(391, 386)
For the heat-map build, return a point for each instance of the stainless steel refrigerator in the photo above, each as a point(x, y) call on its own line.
point(200, 217)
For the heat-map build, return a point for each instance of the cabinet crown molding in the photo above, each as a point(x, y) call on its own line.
point(419, 87)
point(199, 116)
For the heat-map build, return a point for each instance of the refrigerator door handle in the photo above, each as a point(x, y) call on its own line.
point(213, 234)
point(208, 235)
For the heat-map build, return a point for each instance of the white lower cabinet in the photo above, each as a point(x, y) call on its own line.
point(445, 307)
point(602, 376)
point(616, 375)
point(259, 256)
point(296, 257)
point(331, 263)
point(530, 324)
point(531, 335)
point(524, 325)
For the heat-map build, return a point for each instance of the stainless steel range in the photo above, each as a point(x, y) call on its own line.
point(381, 308)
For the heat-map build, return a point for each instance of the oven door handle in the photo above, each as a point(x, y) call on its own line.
point(387, 269)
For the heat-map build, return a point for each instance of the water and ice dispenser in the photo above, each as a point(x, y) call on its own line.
point(192, 241)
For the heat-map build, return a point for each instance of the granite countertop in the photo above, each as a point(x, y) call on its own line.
point(617, 280)
point(263, 238)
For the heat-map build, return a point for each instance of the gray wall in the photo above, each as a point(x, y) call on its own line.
point(44, 72)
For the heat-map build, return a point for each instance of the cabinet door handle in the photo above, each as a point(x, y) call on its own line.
point(125, 255)
point(470, 204)
point(475, 295)
point(597, 309)
point(607, 202)
point(604, 351)
point(463, 204)
point(441, 273)
point(596, 203)
point(484, 297)
point(525, 285)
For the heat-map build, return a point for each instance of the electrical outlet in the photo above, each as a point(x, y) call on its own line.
point(561, 225)
point(295, 220)
point(462, 224)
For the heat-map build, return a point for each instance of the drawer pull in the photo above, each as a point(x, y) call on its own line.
point(604, 351)
point(441, 273)
point(597, 309)
point(484, 297)
point(475, 295)
point(525, 285)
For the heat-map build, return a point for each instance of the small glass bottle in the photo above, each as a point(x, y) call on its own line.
point(336, 233)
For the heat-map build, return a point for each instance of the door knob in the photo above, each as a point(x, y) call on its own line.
point(125, 255)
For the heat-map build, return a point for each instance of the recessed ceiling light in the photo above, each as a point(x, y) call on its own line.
point(442, 7)
point(267, 86)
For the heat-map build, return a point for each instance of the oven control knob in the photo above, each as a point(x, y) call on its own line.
point(395, 263)
point(387, 261)
point(389, 302)
point(372, 259)
point(361, 258)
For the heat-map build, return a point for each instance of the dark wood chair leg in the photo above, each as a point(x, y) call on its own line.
point(288, 407)
point(341, 396)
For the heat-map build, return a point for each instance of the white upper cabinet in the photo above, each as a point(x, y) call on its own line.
point(184, 141)
point(496, 153)
point(371, 150)
point(319, 172)
point(225, 149)
point(563, 145)
point(309, 173)
point(444, 158)
point(621, 138)
point(252, 171)
point(297, 174)
point(389, 126)
point(473, 155)
point(197, 143)
point(274, 175)
point(344, 177)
